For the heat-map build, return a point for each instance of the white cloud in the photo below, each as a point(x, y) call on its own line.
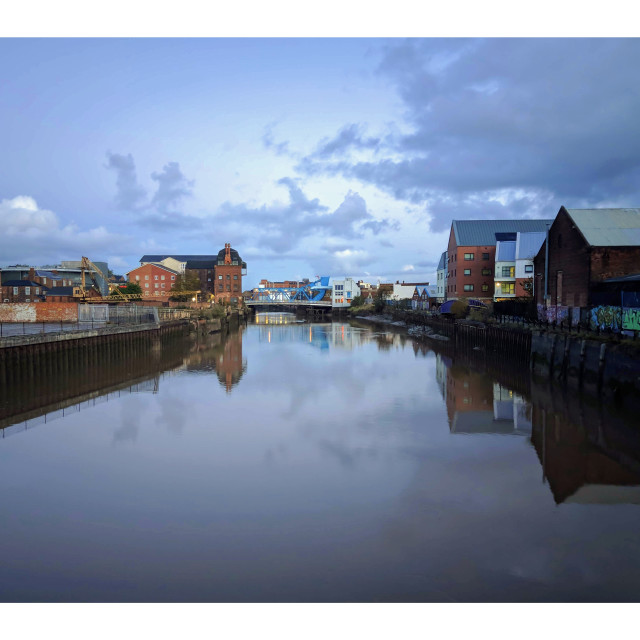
point(32, 235)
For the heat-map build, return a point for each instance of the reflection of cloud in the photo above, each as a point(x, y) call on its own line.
point(173, 411)
point(132, 413)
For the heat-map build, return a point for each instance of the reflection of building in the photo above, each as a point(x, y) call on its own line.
point(476, 404)
point(230, 366)
point(576, 469)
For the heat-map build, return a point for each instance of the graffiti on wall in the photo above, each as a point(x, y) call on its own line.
point(631, 319)
point(606, 317)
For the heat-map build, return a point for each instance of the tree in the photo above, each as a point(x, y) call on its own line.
point(132, 287)
point(379, 300)
point(527, 286)
point(185, 282)
point(460, 308)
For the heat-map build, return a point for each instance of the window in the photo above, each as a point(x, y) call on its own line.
point(163, 287)
point(235, 287)
point(146, 285)
point(146, 277)
point(173, 277)
point(155, 285)
point(485, 287)
point(161, 277)
point(468, 287)
point(469, 256)
point(235, 277)
point(467, 272)
point(508, 287)
point(528, 268)
point(485, 256)
point(37, 291)
point(155, 277)
point(27, 291)
point(486, 272)
point(219, 277)
point(508, 272)
point(228, 277)
point(220, 287)
point(138, 278)
point(228, 287)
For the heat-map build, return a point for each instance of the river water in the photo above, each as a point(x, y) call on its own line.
point(294, 462)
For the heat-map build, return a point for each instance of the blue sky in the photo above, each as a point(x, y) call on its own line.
point(311, 156)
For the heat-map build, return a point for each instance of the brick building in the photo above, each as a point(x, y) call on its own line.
point(471, 254)
point(586, 247)
point(212, 271)
point(228, 275)
point(155, 280)
point(22, 291)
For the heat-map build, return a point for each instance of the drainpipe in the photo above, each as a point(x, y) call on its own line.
point(546, 269)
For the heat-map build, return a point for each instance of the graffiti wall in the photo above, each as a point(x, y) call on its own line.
point(606, 317)
point(631, 319)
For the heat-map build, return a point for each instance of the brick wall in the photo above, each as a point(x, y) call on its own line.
point(614, 262)
point(39, 312)
point(568, 263)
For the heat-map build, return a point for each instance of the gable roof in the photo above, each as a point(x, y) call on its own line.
point(608, 227)
point(528, 244)
point(193, 261)
point(443, 261)
point(155, 264)
point(476, 233)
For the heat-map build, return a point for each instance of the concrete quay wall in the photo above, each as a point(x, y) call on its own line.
point(596, 368)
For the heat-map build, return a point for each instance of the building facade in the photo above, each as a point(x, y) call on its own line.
point(155, 280)
point(471, 254)
point(343, 292)
point(586, 247)
point(441, 279)
point(22, 291)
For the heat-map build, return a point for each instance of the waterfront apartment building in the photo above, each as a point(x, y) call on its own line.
point(471, 254)
point(441, 282)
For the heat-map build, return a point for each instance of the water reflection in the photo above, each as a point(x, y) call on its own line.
point(588, 455)
point(478, 404)
point(296, 461)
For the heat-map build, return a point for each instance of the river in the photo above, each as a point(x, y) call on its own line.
point(316, 462)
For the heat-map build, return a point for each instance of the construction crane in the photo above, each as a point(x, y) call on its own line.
point(87, 266)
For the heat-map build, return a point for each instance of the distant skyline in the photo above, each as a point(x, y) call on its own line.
point(310, 156)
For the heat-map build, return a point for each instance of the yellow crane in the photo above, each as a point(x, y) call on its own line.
point(87, 266)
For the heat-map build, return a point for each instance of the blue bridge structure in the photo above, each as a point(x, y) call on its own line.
point(313, 294)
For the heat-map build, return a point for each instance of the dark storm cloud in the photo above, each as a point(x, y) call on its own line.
point(130, 195)
point(537, 122)
point(282, 226)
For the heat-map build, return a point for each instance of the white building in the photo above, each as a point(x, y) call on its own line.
point(505, 273)
point(527, 247)
point(343, 292)
point(441, 284)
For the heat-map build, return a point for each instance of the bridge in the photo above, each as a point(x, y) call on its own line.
point(312, 296)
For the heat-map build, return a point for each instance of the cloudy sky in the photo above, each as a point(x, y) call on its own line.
point(310, 156)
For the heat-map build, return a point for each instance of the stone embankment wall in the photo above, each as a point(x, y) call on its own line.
point(39, 312)
point(597, 368)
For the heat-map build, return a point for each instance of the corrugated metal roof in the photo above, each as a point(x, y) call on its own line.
point(528, 245)
point(506, 251)
point(476, 233)
point(443, 261)
point(608, 227)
